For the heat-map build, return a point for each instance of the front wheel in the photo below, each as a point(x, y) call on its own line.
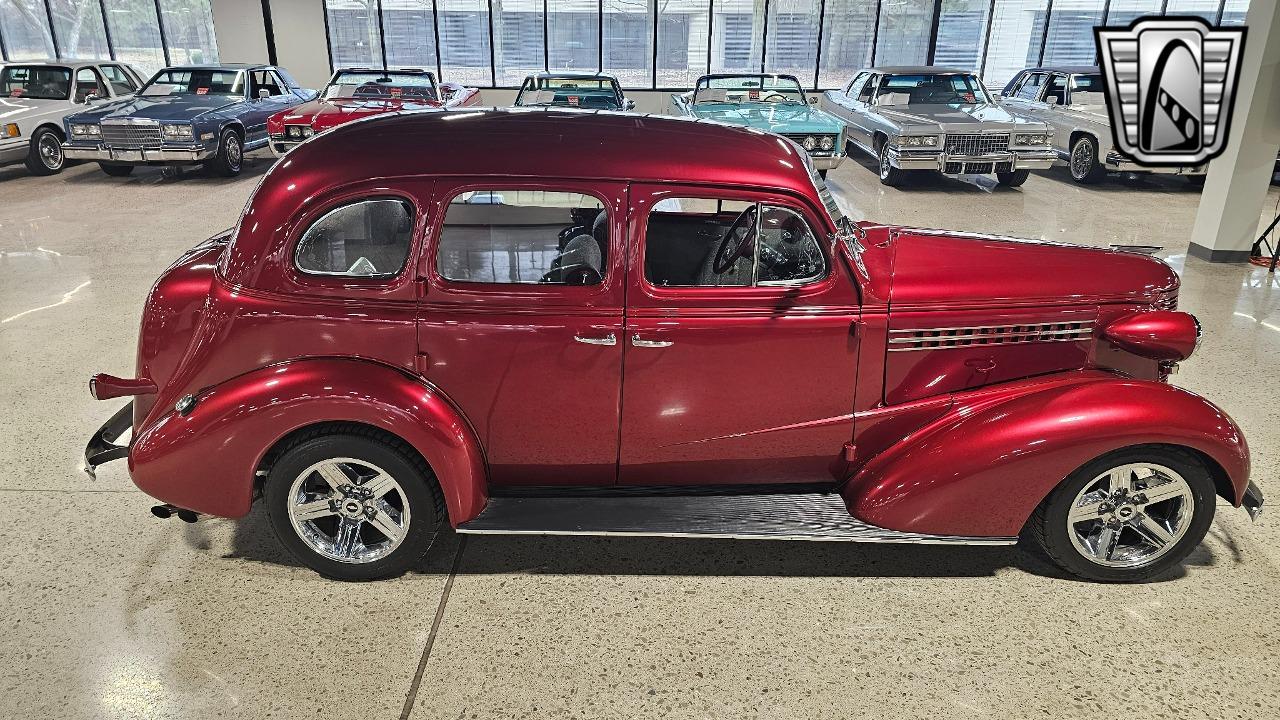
point(45, 156)
point(229, 157)
point(353, 506)
point(1127, 516)
point(1085, 168)
point(889, 175)
point(1013, 178)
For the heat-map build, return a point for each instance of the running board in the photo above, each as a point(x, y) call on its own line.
point(790, 516)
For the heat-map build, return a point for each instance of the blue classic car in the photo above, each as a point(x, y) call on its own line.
point(185, 115)
point(773, 103)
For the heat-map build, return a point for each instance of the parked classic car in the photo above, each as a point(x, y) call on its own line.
point(356, 93)
point(773, 103)
point(203, 114)
point(939, 119)
point(36, 96)
point(586, 90)
point(1073, 101)
point(658, 326)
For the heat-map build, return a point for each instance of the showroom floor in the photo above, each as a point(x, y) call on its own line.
point(111, 613)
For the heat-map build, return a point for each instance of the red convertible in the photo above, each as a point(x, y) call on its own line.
point(356, 93)
point(593, 323)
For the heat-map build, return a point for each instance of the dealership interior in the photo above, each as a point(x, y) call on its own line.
point(115, 613)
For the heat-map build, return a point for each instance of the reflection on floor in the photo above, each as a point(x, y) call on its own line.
point(111, 613)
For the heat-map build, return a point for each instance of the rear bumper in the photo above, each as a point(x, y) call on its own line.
point(160, 156)
point(946, 162)
point(102, 447)
point(1252, 501)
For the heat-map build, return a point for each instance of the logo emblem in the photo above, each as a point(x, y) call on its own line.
point(1170, 87)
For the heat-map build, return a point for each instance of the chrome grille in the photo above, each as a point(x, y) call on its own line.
point(952, 337)
point(977, 144)
point(131, 136)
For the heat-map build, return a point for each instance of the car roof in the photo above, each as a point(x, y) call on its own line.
point(222, 66)
point(62, 62)
point(915, 69)
point(506, 144)
point(574, 74)
point(1068, 69)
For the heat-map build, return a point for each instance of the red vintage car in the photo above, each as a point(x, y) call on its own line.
point(356, 93)
point(572, 322)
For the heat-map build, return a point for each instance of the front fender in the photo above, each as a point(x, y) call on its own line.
point(206, 460)
point(983, 467)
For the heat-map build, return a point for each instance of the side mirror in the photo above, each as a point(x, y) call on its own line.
point(629, 104)
point(1053, 100)
point(90, 98)
point(263, 93)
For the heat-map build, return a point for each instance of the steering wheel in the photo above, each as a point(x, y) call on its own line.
point(781, 98)
point(729, 252)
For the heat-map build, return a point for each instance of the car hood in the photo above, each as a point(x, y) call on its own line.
point(771, 117)
point(21, 110)
point(170, 107)
point(957, 118)
point(936, 268)
point(322, 114)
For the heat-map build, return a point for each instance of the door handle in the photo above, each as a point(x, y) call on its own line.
point(609, 339)
point(637, 342)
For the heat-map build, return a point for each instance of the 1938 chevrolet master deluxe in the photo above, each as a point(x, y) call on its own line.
point(572, 333)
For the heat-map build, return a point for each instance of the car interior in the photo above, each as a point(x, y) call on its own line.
point(264, 80)
point(88, 83)
point(41, 83)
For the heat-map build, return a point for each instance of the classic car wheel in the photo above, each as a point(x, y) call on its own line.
point(230, 155)
point(1014, 178)
point(1127, 516)
point(889, 175)
point(45, 156)
point(352, 506)
point(1084, 161)
point(116, 170)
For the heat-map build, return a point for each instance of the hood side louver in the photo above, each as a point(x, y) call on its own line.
point(954, 337)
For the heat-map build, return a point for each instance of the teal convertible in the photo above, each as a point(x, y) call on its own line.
point(773, 103)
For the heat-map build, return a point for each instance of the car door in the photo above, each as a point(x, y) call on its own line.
point(861, 123)
point(522, 320)
point(738, 377)
point(260, 108)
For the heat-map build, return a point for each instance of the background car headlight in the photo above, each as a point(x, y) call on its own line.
point(918, 141)
point(176, 132)
point(86, 130)
point(827, 143)
point(809, 143)
point(1031, 139)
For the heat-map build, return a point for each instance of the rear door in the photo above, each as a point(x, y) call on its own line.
point(521, 323)
point(744, 375)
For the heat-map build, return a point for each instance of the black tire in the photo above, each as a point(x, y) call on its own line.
point(1196, 181)
point(1048, 526)
point(1013, 178)
point(116, 170)
point(416, 489)
point(889, 175)
point(230, 157)
point(1083, 161)
point(45, 156)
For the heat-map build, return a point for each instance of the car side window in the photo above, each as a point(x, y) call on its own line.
point(514, 236)
point(1057, 89)
point(120, 81)
point(1031, 86)
point(367, 238)
point(264, 80)
point(868, 89)
point(88, 83)
point(701, 242)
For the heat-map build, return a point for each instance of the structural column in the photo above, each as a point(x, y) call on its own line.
point(296, 34)
point(1231, 205)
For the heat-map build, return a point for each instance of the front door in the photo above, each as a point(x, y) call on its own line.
point(521, 323)
point(740, 343)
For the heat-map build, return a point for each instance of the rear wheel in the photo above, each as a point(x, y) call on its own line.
point(1085, 168)
point(230, 155)
point(45, 156)
point(1127, 516)
point(353, 506)
point(116, 170)
point(889, 175)
point(1013, 178)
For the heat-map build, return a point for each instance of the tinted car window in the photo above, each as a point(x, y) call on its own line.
point(35, 82)
point(1057, 89)
point(511, 236)
point(368, 238)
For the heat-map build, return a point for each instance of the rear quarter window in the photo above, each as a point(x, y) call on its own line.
point(367, 238)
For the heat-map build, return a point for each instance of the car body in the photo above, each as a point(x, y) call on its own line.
point(354, 93)
point(210, 114)
point(31, 129)
point(773, 103)
point(1073, 101)
point(937, 119)
point(582, 90)
point(648, 325)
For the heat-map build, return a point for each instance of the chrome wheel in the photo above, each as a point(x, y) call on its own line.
point(349, 510)
point(1131, 515)
point(50, 150)
point(235, 154)
point(1082, 159)
point(885, 167)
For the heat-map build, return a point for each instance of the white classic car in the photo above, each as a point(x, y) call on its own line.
point(1073, 101)
point(35, 96)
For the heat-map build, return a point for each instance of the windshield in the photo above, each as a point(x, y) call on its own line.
point(748, 88)
point(198, 81)
point(940, 89)
point(379, 85)
point(593, 93)
point(36, 82)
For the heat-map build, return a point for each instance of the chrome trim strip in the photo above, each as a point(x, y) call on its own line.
point(881, 536)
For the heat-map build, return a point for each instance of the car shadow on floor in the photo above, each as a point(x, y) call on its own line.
point(926, 180)
point(253, 540)
point(255, 165)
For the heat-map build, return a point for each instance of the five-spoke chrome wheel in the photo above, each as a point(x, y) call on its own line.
point(349, 510)
point(1131, 515)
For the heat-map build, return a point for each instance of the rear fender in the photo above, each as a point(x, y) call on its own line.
point(983, 467)
point(206, 460)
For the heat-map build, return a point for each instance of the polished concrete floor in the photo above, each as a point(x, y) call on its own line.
point(111, 613)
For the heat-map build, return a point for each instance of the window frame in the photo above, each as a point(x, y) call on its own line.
point(128, 76)
point(101, 84)
point(381, 279)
